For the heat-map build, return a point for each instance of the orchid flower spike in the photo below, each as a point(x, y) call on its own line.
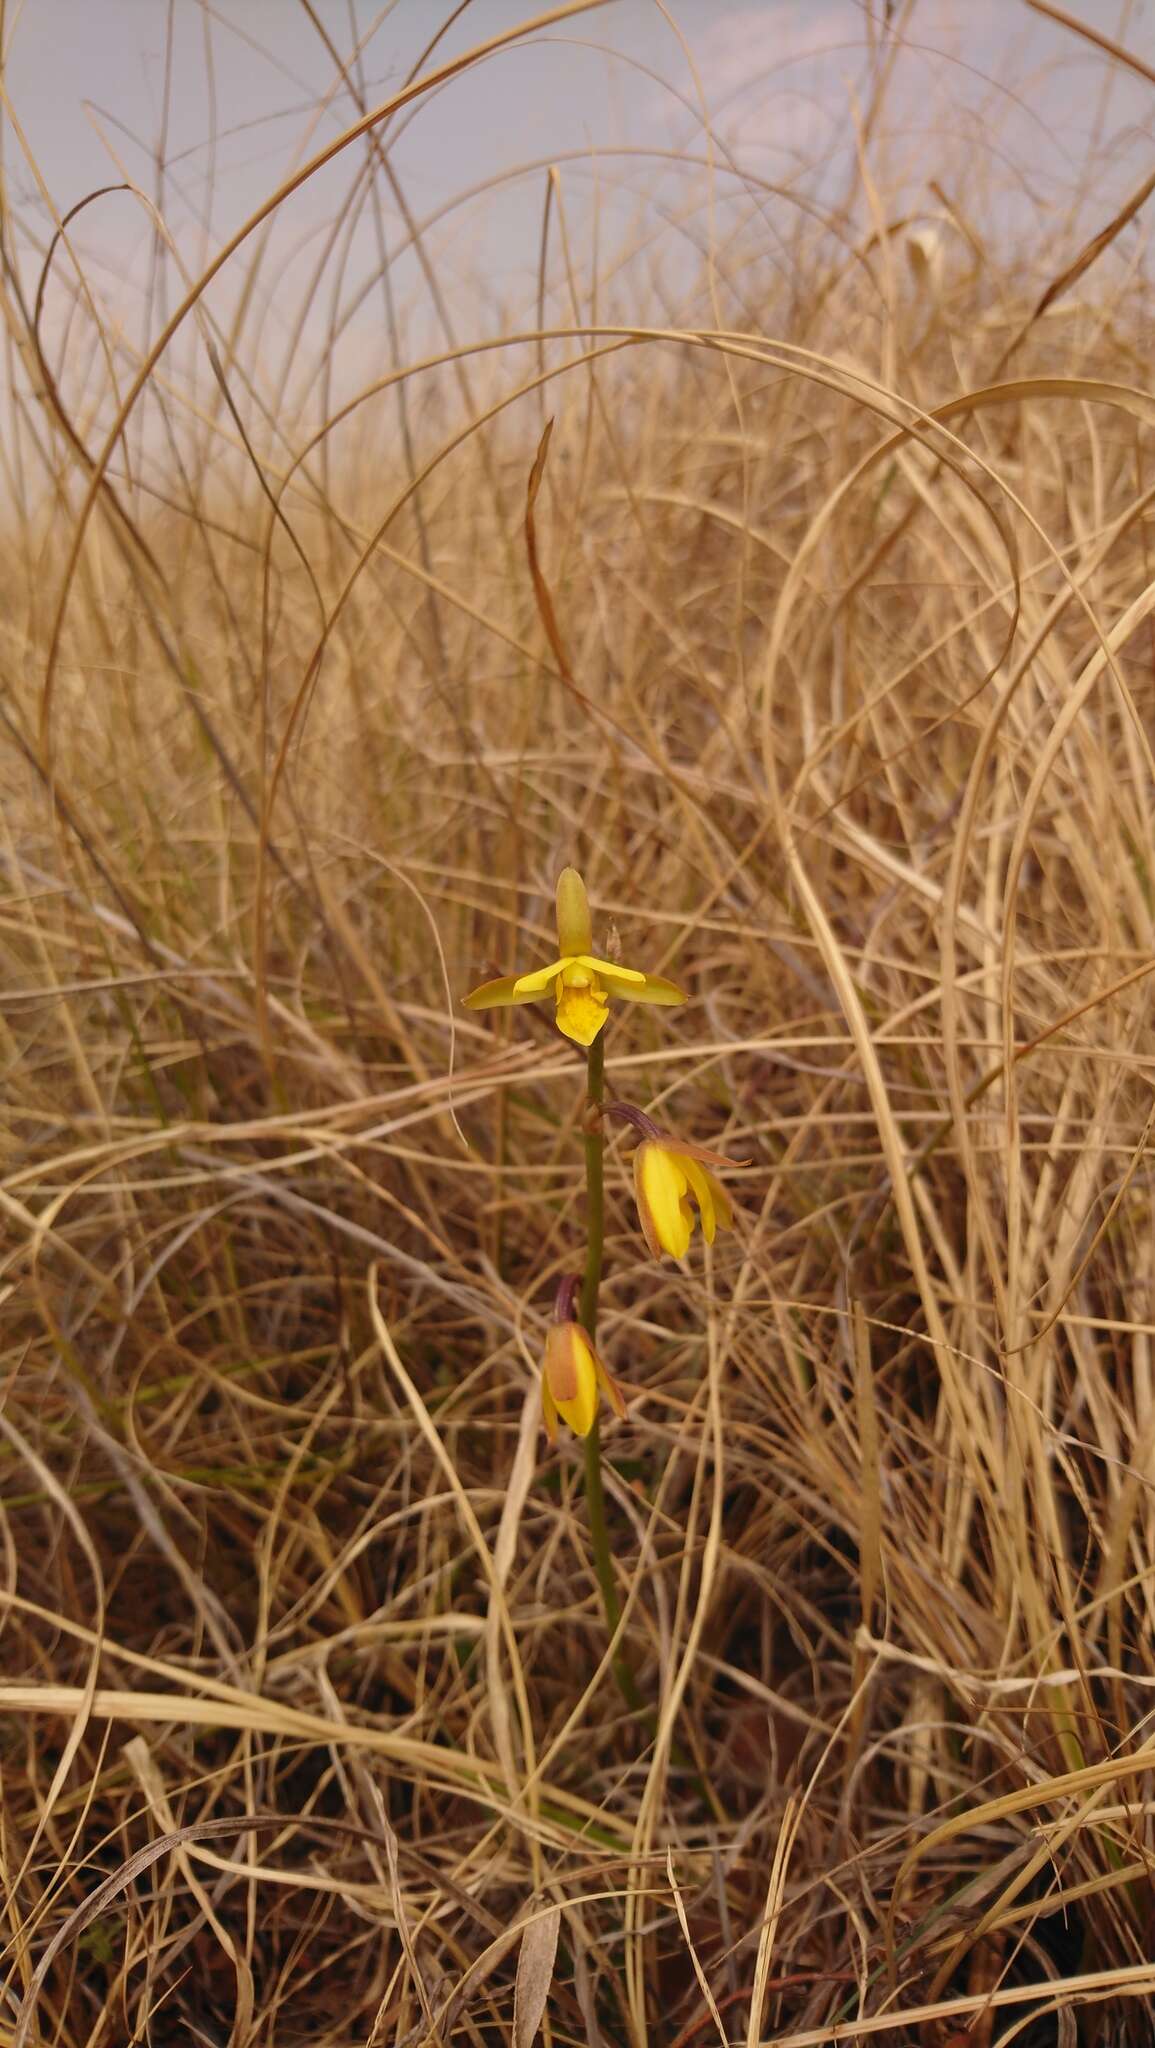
point(581, 983)
point(572, 1376)
point(670, 1178)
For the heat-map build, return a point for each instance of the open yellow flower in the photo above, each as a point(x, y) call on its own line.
point(581, 983)
point(572, 1375)
point(669, 1179)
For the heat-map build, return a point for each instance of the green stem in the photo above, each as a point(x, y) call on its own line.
point(595, 1146)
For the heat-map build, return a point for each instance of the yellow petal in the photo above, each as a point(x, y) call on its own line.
point(644, 1217)
point(581, 1012)
point(722, 1204)
point(493, 994)
point(661, 1188)
point(607, 971)
point(702, 1186)
point(580, 1413)
point(611, 1389)
point(574, 932)
point(645, 988)
point(536, 981)
point(549, 1411)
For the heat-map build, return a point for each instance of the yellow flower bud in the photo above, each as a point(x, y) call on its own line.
point(572, 1374)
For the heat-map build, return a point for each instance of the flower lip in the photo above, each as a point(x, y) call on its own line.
point(582, 1007)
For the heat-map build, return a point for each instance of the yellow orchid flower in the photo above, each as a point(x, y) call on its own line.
point(668, 1179)
point(572, 1374)
point(581, 983)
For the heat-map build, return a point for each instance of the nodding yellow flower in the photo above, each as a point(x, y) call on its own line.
point(581, 983)
point(668, 1178)
point(572, 1375)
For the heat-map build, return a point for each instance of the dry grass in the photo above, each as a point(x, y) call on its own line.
point(851, 564)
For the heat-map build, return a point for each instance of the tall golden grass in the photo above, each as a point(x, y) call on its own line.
point(308, 1727)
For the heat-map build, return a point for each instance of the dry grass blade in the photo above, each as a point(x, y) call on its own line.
point(535, 1960)
point(1089, 33)
point(541, 589)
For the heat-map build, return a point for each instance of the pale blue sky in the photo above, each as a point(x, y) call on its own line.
point(1002, 104)
point(777, 72)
